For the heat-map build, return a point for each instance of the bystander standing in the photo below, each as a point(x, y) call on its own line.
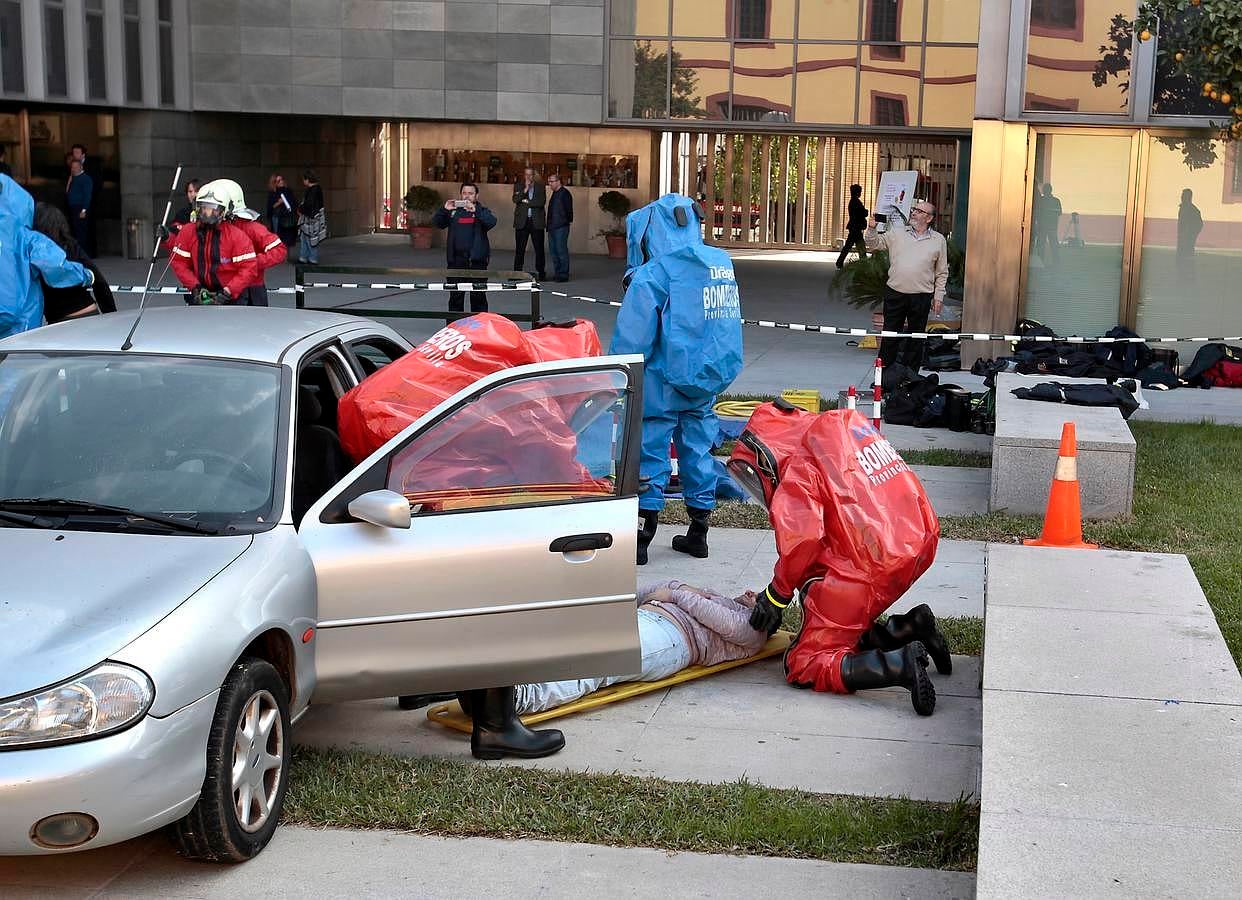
point(560, 217)
point(529, 198)
point(466, 247)
point(918, 272)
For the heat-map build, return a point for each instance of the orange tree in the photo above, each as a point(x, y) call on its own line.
point(1202, 40)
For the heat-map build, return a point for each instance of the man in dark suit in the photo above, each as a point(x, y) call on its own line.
point(529, 199)
point(560, 217)
point(91, 167)
point(79, 194)
point(855, 227)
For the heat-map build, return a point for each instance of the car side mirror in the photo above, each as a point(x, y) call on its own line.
point(387, 509)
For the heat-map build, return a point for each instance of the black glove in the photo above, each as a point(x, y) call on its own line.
point(163, 232)
point(769, 611)
point(202, 296)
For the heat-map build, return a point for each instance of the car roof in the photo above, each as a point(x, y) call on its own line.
point(260, 334)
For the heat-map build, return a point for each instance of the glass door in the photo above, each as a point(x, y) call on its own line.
point(1082, 200)
point(1191, 252)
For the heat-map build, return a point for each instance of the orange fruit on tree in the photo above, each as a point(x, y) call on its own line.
point(1215, 95)
point(1179, 56)
point(1225, 98)
point(1207, 87)
point(1144, 35)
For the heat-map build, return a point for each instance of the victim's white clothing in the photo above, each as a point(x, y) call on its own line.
point(664, 653)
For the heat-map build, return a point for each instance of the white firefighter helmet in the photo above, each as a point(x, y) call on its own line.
point(227, 194)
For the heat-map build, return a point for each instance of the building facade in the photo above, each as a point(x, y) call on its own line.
point(1057, 152)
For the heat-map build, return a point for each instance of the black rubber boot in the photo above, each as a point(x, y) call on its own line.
point(694, 541)
point(919, 624)
point(649, 521)
point(498, 732)
point(905, 668)
point(417, 701)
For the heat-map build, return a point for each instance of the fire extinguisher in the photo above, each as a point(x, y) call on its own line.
point(387, 214)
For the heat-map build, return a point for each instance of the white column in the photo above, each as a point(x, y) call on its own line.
point(75, 50)
point(114, 51)
point(32, 44)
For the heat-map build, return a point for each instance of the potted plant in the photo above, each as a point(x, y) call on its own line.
point(617, 205)
point(420, 202)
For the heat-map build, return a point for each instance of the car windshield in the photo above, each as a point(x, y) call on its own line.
point(173, 436)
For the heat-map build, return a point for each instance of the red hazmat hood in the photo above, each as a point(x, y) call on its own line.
point(452, 359)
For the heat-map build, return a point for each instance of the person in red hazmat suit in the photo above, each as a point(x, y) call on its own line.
point(853, 531)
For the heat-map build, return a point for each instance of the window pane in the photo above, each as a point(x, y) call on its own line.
point(763, 20)
point(639, 17)
point(12, 65)
point(949, 86)
point(829, 20)
point(700, 18)
point(638, 79)
point(953, 21)
point(546, 439)
point(893, 20)
point(54, 50)
point(1064, 60)
point(164, 9)
point(889, 89)
point(1078, 215)
point(96, 71)
point(827, 83)
point(167, 83)
point(700, 88)
point(763, 83)
point(1192, 241)
point(133, 61)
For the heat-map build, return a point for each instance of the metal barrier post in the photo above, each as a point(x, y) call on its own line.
point(536, 292)
point(299, 287)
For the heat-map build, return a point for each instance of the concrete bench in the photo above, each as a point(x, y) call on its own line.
point(1112, 730)
point(1024, 453)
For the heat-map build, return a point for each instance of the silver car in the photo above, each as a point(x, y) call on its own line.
point(189, 559)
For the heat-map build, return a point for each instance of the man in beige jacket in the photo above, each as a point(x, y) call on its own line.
point(918, 271)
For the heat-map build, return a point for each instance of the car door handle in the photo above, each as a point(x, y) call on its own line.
point(577, 542)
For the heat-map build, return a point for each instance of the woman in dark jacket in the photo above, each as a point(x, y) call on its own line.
point(282, 210)
point(312, 224)
point(60, 304)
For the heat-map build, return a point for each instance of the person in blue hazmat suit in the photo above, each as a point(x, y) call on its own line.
point(26, 256)
point(682, 313)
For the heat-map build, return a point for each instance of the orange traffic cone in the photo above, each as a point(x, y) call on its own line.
point(1063, 519)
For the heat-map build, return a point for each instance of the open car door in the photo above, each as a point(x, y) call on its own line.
point(490, 543)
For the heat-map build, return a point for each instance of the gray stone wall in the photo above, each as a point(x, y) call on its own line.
point(246, 148)
point(528, 61)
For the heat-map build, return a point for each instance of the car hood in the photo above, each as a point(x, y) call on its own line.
point(73, 598)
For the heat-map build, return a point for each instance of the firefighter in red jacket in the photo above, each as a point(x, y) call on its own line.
point(854, 530)
point(269, 249)
point(215, 259)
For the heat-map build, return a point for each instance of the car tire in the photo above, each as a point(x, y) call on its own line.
point(248, 753)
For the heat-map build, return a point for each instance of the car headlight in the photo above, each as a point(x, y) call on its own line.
point(106, 699)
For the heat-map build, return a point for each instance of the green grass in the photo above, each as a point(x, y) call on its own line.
point(351, 789)
point(1186, 487)
point(938, 456)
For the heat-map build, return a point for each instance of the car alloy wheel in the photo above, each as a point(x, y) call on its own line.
point(247, 762)
point(258, 761)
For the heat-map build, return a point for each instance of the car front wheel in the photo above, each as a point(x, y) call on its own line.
point(247, 769)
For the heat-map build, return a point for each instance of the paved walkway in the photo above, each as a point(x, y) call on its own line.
point(313, 864)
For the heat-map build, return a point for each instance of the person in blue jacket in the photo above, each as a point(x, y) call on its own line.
point(25, 256)
point(682, 313)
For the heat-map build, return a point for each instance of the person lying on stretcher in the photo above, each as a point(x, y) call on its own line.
point(678, 626)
